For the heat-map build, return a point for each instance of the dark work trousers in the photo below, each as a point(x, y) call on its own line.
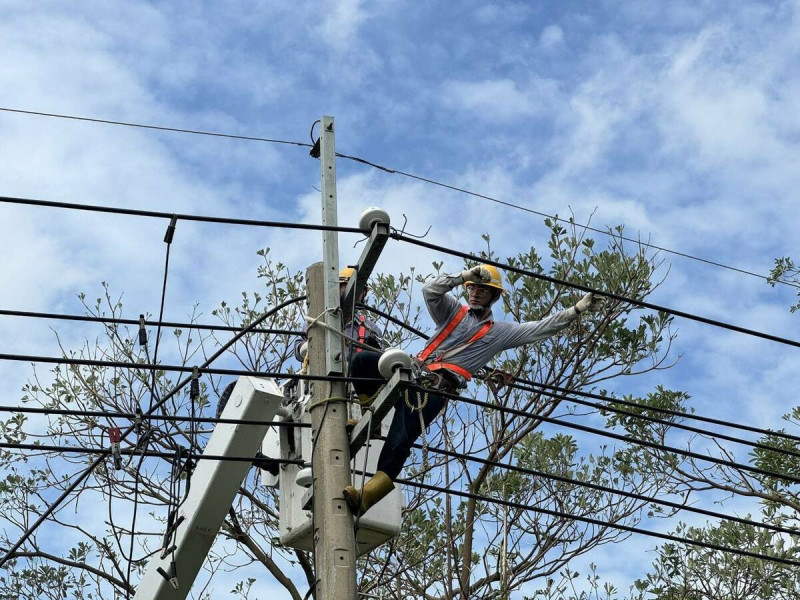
point(405, 428)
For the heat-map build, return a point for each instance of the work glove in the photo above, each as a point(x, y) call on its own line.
point(588, 302)
point(476, 275)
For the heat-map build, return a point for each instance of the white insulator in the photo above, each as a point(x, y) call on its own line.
point(372, 216)
point(391, 360)
point(303, 349)
point(304, 477)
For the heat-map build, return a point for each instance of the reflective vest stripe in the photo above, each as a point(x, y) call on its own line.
point(437, 341)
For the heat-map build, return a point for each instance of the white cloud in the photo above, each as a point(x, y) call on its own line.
point(551, 37)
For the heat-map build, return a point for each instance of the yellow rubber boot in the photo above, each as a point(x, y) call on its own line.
point(360, 501)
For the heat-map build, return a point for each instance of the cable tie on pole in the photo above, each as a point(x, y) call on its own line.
point(142, 332)
point(170, 230)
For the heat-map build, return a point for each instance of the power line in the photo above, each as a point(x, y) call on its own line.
point(441, 451)
point(599, 523)
point(180, 216)
point(603, 488)
point(120, 321)
point(157, 127)
point(609, 434)
point(418, 242)
point(101, 363)
point(644, 417)
point(404, 174)
point(606, 294)
point(667, 411)
point(180, 385)
point(103, 452)
point(134, 416)
point(614, 399)
point(584, 226)
point(86, 362)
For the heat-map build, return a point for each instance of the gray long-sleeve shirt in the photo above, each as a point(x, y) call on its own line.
point(503, 335)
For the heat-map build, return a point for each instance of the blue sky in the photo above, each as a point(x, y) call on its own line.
point(680, 120)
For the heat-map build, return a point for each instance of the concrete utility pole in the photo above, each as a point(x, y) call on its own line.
point(334, 538)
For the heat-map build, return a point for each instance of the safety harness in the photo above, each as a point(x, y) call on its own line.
point(362, 331)
point(439, 362)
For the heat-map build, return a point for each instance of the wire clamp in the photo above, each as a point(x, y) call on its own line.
point(172, 577)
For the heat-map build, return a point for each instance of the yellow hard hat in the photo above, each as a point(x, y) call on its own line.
point(497, 280)
point(345, 274)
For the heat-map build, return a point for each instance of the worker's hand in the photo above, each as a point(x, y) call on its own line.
point(588, 302)
point(476, 275)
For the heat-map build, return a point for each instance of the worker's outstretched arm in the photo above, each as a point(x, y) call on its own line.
point(534, 331)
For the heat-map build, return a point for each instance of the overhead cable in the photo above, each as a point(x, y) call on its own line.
point(644, 417)
point(614, 399)
point(156, 127)
point(154, 214)
point(403, 174)
point(132, 416)
point(498, 501)
point(600, 523)
point(604, 488)
point(610, 434)
point(180, 385)
point(577, 286)
point(120, 321)
point(418, 242)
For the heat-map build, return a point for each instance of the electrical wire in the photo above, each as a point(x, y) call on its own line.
point(408, 175)
point(468, 495)
point(602, 488)
point(156, 127)
point(87, 362)
point(704, 432)
point(614, 399)
point(133, 416)
point(443, 452)
point(180, 216)
point(103, 452)
point(609, 434)
point(180, 385)
point(411, 240)
point(599, 523)
point(605, 294)
point(120, 321)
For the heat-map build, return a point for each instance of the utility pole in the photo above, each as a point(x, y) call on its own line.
point(334, 537)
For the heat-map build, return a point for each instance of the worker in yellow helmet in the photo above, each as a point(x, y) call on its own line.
point(465, 340)
point(360, 328)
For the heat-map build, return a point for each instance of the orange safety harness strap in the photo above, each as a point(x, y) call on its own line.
point(437, 341)
point(362, 331)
